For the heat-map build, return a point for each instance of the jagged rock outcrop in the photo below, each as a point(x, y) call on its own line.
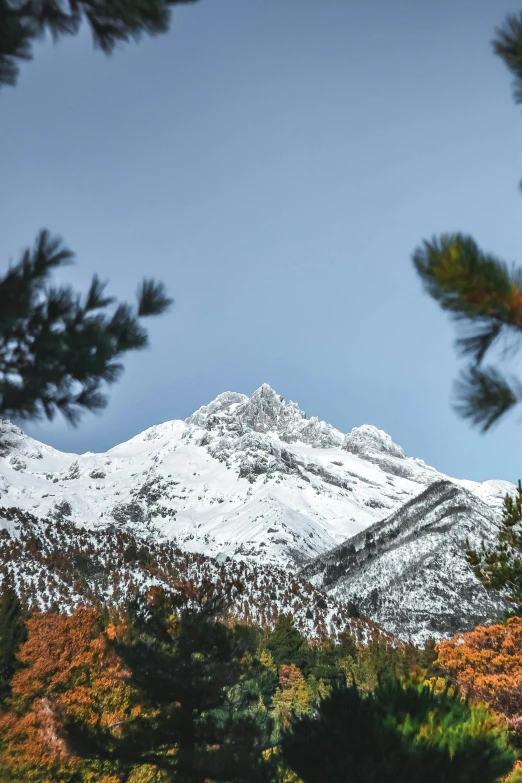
point(368, 440)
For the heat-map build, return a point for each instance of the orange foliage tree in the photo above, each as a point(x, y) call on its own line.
point(71, 676)
point(293, 695)
point(487, 665)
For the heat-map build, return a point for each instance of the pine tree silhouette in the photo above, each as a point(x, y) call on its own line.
point(12, 633)
point(110, 23)
point(402, 733)
point(199, 723)
point(57, 349)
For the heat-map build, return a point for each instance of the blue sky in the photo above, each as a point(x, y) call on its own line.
point(275, 162)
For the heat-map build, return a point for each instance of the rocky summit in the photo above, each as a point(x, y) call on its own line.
point(255, 480)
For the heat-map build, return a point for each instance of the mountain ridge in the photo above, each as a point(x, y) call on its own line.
point(58, 563)
point(379, 568)
point(247, 478)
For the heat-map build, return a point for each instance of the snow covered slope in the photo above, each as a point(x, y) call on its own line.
point(249, 477)
point(58, 563)
point(409, 572)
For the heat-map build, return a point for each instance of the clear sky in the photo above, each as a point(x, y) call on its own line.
point(275, 162)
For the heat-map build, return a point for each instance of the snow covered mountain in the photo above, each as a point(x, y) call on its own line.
point(246, 477)
point(251, 478)
point(409, 572)
point(58, 563)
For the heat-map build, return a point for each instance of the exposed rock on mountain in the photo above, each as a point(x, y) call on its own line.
point(254, 479)
point(409, 571)
point(249, 477)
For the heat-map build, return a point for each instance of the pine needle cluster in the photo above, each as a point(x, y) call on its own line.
point(480, 291)
point(484, 296)
point(111, 22)
point(58, 348)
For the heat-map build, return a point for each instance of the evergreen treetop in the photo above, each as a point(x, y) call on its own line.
point(287, 645)
point(12, 633)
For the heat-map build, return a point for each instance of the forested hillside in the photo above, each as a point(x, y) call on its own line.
point(170, 687)
point(56, 564)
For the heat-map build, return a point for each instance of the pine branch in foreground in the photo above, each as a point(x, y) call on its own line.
point(508, 46)
point(484, 396)
point(57, 348)
point(484, 296)
point(111, 22)
point(472, 285)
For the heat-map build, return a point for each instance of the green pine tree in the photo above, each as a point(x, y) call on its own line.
point(110, 23)
point(201, 722)
point(403, 733)
point(57, 349)
point(12, 633)
point(287, 645)
point(500, 567)
point(480, 291)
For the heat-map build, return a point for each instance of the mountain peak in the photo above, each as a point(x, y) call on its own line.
point(265, 390)
point(254, 479)
point(264, 412)
point(367, 439)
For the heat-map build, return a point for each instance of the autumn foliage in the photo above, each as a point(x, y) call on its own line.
point(70, 676)
point(179, 692)
point(487, 665)
point(293, 696)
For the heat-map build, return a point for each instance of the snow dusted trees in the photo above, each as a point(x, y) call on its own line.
point(500, 568)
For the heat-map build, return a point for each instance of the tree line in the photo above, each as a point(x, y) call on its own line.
point(172, 688)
